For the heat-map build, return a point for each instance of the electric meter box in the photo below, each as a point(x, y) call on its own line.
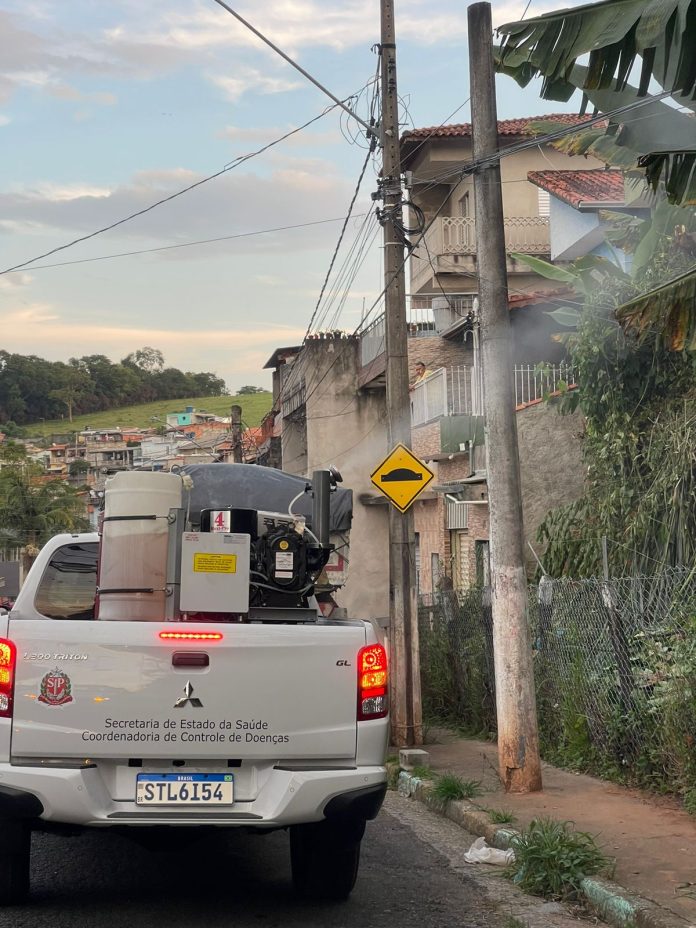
point(214, 572)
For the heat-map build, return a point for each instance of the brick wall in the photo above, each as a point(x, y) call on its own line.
point(430, 526)
point(437, 352)
point(425, 439)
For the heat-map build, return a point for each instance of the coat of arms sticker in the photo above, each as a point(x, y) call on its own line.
point(56, 689)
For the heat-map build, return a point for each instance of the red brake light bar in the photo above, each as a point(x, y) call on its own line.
point(190, 636)
point(373, 700)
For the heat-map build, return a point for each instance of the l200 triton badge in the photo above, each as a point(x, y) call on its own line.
point(56, 689)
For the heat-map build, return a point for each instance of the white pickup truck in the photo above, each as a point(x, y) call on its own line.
point(156, 708)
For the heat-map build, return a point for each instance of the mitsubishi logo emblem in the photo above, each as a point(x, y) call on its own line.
point(188, 697)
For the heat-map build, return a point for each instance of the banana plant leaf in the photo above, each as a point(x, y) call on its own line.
point(614, 33)
point(656, 139)
point(668, 310)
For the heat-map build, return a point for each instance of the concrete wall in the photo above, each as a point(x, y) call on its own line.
point(550, 465)
point(348, 429)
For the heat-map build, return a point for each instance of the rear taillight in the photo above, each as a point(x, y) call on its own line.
point(373, 698)
point(8, 660)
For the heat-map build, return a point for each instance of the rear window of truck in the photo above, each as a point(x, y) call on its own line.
point(68, 586)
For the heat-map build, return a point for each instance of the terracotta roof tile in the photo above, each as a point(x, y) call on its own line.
point(505, 127)
point(578, 187)
point(536, 296)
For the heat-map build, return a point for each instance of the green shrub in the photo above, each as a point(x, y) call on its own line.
point(450, 787)
point(551, 859)
point(421, 772)
point(501, 816)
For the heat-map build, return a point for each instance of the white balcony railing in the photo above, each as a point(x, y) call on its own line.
point(426, 315)
point(453, 391)
point(372, 341)
point(526, 234)
point(535, 381)
point(449, 391)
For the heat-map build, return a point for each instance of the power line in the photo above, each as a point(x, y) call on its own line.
point(294, 64)
point(203, 241)
point(352, 263)
point(235, 164)
point(340, 239)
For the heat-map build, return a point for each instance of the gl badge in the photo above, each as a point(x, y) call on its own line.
point(188, 697)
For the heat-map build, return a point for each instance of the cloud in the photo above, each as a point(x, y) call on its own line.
point(249, 79)
point(67, 92)
point(38, 329)
point(4, 120)
point(296, 191)
point(34, 314)
point(14, 281)
point(262, 135)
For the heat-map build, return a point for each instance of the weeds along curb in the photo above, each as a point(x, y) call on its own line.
point(612, 903)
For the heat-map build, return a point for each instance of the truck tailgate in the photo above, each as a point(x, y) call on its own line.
point(117, 689)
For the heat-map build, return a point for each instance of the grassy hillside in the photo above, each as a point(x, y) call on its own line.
point(254, 408)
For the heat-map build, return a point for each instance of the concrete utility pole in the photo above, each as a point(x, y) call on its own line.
point(406, 713)
point(236, 430)
point(518, 739)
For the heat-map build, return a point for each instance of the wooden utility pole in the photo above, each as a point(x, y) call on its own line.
point(518, 739)
point(236, 430)
point(407, 726)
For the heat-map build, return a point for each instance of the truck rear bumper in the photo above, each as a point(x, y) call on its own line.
point(288, 797)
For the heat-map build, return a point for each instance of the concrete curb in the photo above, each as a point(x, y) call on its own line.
point(612, 903)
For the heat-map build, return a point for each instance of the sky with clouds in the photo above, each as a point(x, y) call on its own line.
point(106, 108)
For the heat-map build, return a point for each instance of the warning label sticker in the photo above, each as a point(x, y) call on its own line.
point(215, 563)
point(284, 561)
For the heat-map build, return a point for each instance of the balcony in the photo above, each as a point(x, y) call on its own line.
point(293, 403)
point(449, 391)
point(427, 314)
point(450, 244)
point(458, 391)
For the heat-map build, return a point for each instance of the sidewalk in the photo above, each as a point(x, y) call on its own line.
point(651, 838)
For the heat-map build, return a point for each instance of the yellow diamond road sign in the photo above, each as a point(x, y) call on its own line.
point(401, 477)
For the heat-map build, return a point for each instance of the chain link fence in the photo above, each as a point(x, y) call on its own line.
point(615, 672)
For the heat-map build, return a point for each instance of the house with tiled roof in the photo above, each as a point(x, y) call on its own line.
point(577, 199)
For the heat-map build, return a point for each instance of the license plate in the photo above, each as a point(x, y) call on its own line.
point(184, 789)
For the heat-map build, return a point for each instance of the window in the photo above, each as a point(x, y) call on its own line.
point(463, 204)
point(68, 587)
point(544, 198)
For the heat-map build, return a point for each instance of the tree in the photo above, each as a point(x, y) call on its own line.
point(145, 359)
point(248, 390)
point(207, 384)
point(33, 509)
point(78, 468)
point(74, 384)
point(615, 33)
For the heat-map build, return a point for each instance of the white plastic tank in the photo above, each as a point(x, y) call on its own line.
point(133, 551)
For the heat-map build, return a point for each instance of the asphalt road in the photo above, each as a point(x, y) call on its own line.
point(106, 881)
